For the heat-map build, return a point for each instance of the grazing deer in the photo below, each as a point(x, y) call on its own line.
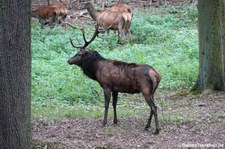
point(111, 19)
point(45, 15)
point(117, 76)
point(50, 14)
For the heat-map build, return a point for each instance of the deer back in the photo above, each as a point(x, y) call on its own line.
point(61, 9)
point(110, 18)
point(121, 7)
point(46, 12)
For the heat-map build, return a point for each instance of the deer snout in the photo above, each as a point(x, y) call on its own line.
point(70, 62)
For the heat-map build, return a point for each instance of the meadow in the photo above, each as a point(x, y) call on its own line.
point(165, 38)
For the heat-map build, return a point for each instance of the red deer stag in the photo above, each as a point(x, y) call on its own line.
point(111, 19)
point(116, 76)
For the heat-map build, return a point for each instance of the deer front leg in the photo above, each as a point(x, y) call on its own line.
point(115, 97)
point(107, 94)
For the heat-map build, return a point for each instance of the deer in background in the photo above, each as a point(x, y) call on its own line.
point(50, 14)
point(110, 19)
point(117, 76)
point(45, 15)
point(127, 11)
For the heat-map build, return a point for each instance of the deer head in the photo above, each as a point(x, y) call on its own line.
point(78, 57)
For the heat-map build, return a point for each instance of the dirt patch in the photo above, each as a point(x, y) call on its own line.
point(207, 127)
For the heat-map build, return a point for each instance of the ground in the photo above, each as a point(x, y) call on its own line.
point(185, 120)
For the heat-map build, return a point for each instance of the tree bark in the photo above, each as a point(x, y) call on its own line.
point(211, 45)
point(15, 74)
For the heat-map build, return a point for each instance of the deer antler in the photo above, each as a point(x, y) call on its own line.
point(97, 31)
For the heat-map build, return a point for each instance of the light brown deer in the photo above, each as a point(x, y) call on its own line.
point(109, 19)
point(127, 12)
point(46, 15)
point(121, 7)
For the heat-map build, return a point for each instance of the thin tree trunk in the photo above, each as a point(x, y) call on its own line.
point(211, 44)
point(15, 74)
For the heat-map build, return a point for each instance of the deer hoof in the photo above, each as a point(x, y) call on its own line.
point(157, 131)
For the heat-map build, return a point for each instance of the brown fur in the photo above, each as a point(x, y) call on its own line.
point(50, 14)
point(127, 13)
point(45, 14)
point(61, 11)
point(109, 19)
point(116, 76)
point(122, 7)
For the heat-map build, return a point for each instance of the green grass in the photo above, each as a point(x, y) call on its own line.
point(165, 38)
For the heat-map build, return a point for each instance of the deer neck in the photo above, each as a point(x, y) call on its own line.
point(93, 13)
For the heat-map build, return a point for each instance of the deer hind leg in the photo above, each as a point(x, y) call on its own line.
point(150, 100)
point(64, 21)
point(59, 19)
point(122, 32)
point(129, 33)
point(149, 120)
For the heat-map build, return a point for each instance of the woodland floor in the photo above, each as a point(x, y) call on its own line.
point(206, 125)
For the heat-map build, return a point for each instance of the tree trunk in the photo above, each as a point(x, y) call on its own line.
point(211, 45)
point(15, 74)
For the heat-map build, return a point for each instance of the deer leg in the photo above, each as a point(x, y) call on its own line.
point(107, 94)
point(115, 97)
point(122, 31)
point(51, 20)
point(118, 36)
point(149, 120)
point(64, 22)
point(124, 36)
point(41, 21)
point(129, 33)
point(154, 109)
point(151, 103)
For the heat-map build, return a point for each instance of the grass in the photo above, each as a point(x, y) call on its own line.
point(161, 38)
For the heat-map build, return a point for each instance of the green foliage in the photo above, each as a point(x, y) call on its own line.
point(163, 39)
